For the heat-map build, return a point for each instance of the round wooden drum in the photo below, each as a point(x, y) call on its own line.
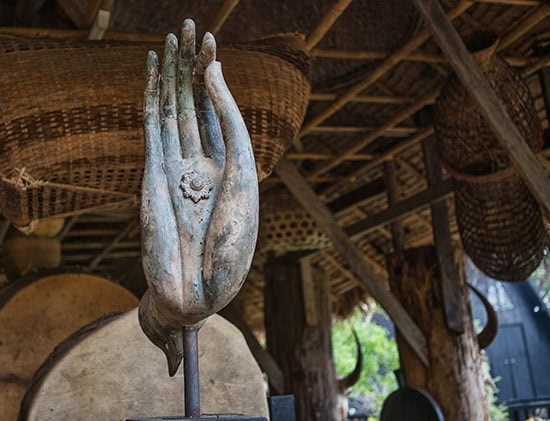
point(110, 371)
point(39, 312)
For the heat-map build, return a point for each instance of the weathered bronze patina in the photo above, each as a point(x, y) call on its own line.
point(199, 208)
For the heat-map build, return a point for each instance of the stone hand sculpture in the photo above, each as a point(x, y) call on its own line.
point(199, 205)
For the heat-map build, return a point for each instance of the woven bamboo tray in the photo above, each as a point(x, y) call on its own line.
point(71, 124)
point(286, 226)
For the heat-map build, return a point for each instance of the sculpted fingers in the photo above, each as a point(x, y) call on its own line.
point(238, 149)
point(208, 122)
point(187, 118)
point(231, 236)
point(153, 147)
point(169, 129)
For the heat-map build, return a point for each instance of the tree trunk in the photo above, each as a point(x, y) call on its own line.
point(454, 377)
point(300, 343)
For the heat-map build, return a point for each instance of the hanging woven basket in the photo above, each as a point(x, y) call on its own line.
point(71, 135)
point(500, 222)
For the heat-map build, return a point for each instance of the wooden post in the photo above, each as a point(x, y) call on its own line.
point(354, 257)
point(450, 283)
point(302, 351)
point(454, 377)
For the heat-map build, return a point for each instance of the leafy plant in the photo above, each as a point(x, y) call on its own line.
point(380, 356)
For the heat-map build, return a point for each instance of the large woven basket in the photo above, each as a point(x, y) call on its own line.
point(71, 122)
point(500, 227)
point(500, 222)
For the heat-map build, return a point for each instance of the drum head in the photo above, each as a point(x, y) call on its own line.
point(110, 371)
point(39, 312)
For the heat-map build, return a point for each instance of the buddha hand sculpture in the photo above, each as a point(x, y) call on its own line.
point(199, 204)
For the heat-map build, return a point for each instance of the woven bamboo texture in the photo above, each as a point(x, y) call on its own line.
point(500, 223)
point(71, 125)
point(286, 226)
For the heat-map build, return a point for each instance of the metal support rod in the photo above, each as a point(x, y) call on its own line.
point(191, 371)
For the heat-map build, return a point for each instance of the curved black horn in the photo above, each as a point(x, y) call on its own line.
point(352, 378)
point(489, 332)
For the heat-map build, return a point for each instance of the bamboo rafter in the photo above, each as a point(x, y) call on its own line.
point(223, 14)
point(426, 98)
point(326, 23)
point(354, 175)
point(374, 99)
point(516, 61)
point(381, 70)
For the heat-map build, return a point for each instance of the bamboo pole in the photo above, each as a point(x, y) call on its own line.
point(326, 23)
point(223, 15)
point(80, 34)
point(325, 156)
point(375, 99)
point(515, 61)
point(537, 15)
point(512, 2)
point(392, 131)
point(381, 70)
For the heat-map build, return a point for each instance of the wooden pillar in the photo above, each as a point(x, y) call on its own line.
point(454, 377)
point(300, 343)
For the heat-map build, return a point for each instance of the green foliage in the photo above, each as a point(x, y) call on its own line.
point(541, 278)
point(497, 411)
point(380, 356)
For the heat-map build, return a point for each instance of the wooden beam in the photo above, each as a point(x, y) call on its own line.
point(402, 209)
point(392, 191)
point(97, 260)
point(4, 230)
point(67, 227)
point(326, 23)
point(544, 81)
point(308, 289)
point(222, 15)
point(101, 20)
point(91, 13)
point(477, 86)
point(354, 257)
point(358, 196)
point(26, 10)
point(264, 358)
point(450, 281)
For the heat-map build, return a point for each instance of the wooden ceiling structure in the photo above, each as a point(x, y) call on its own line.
point(358, 157)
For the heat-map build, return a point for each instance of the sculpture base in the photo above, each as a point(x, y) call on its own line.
point(213, 417)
